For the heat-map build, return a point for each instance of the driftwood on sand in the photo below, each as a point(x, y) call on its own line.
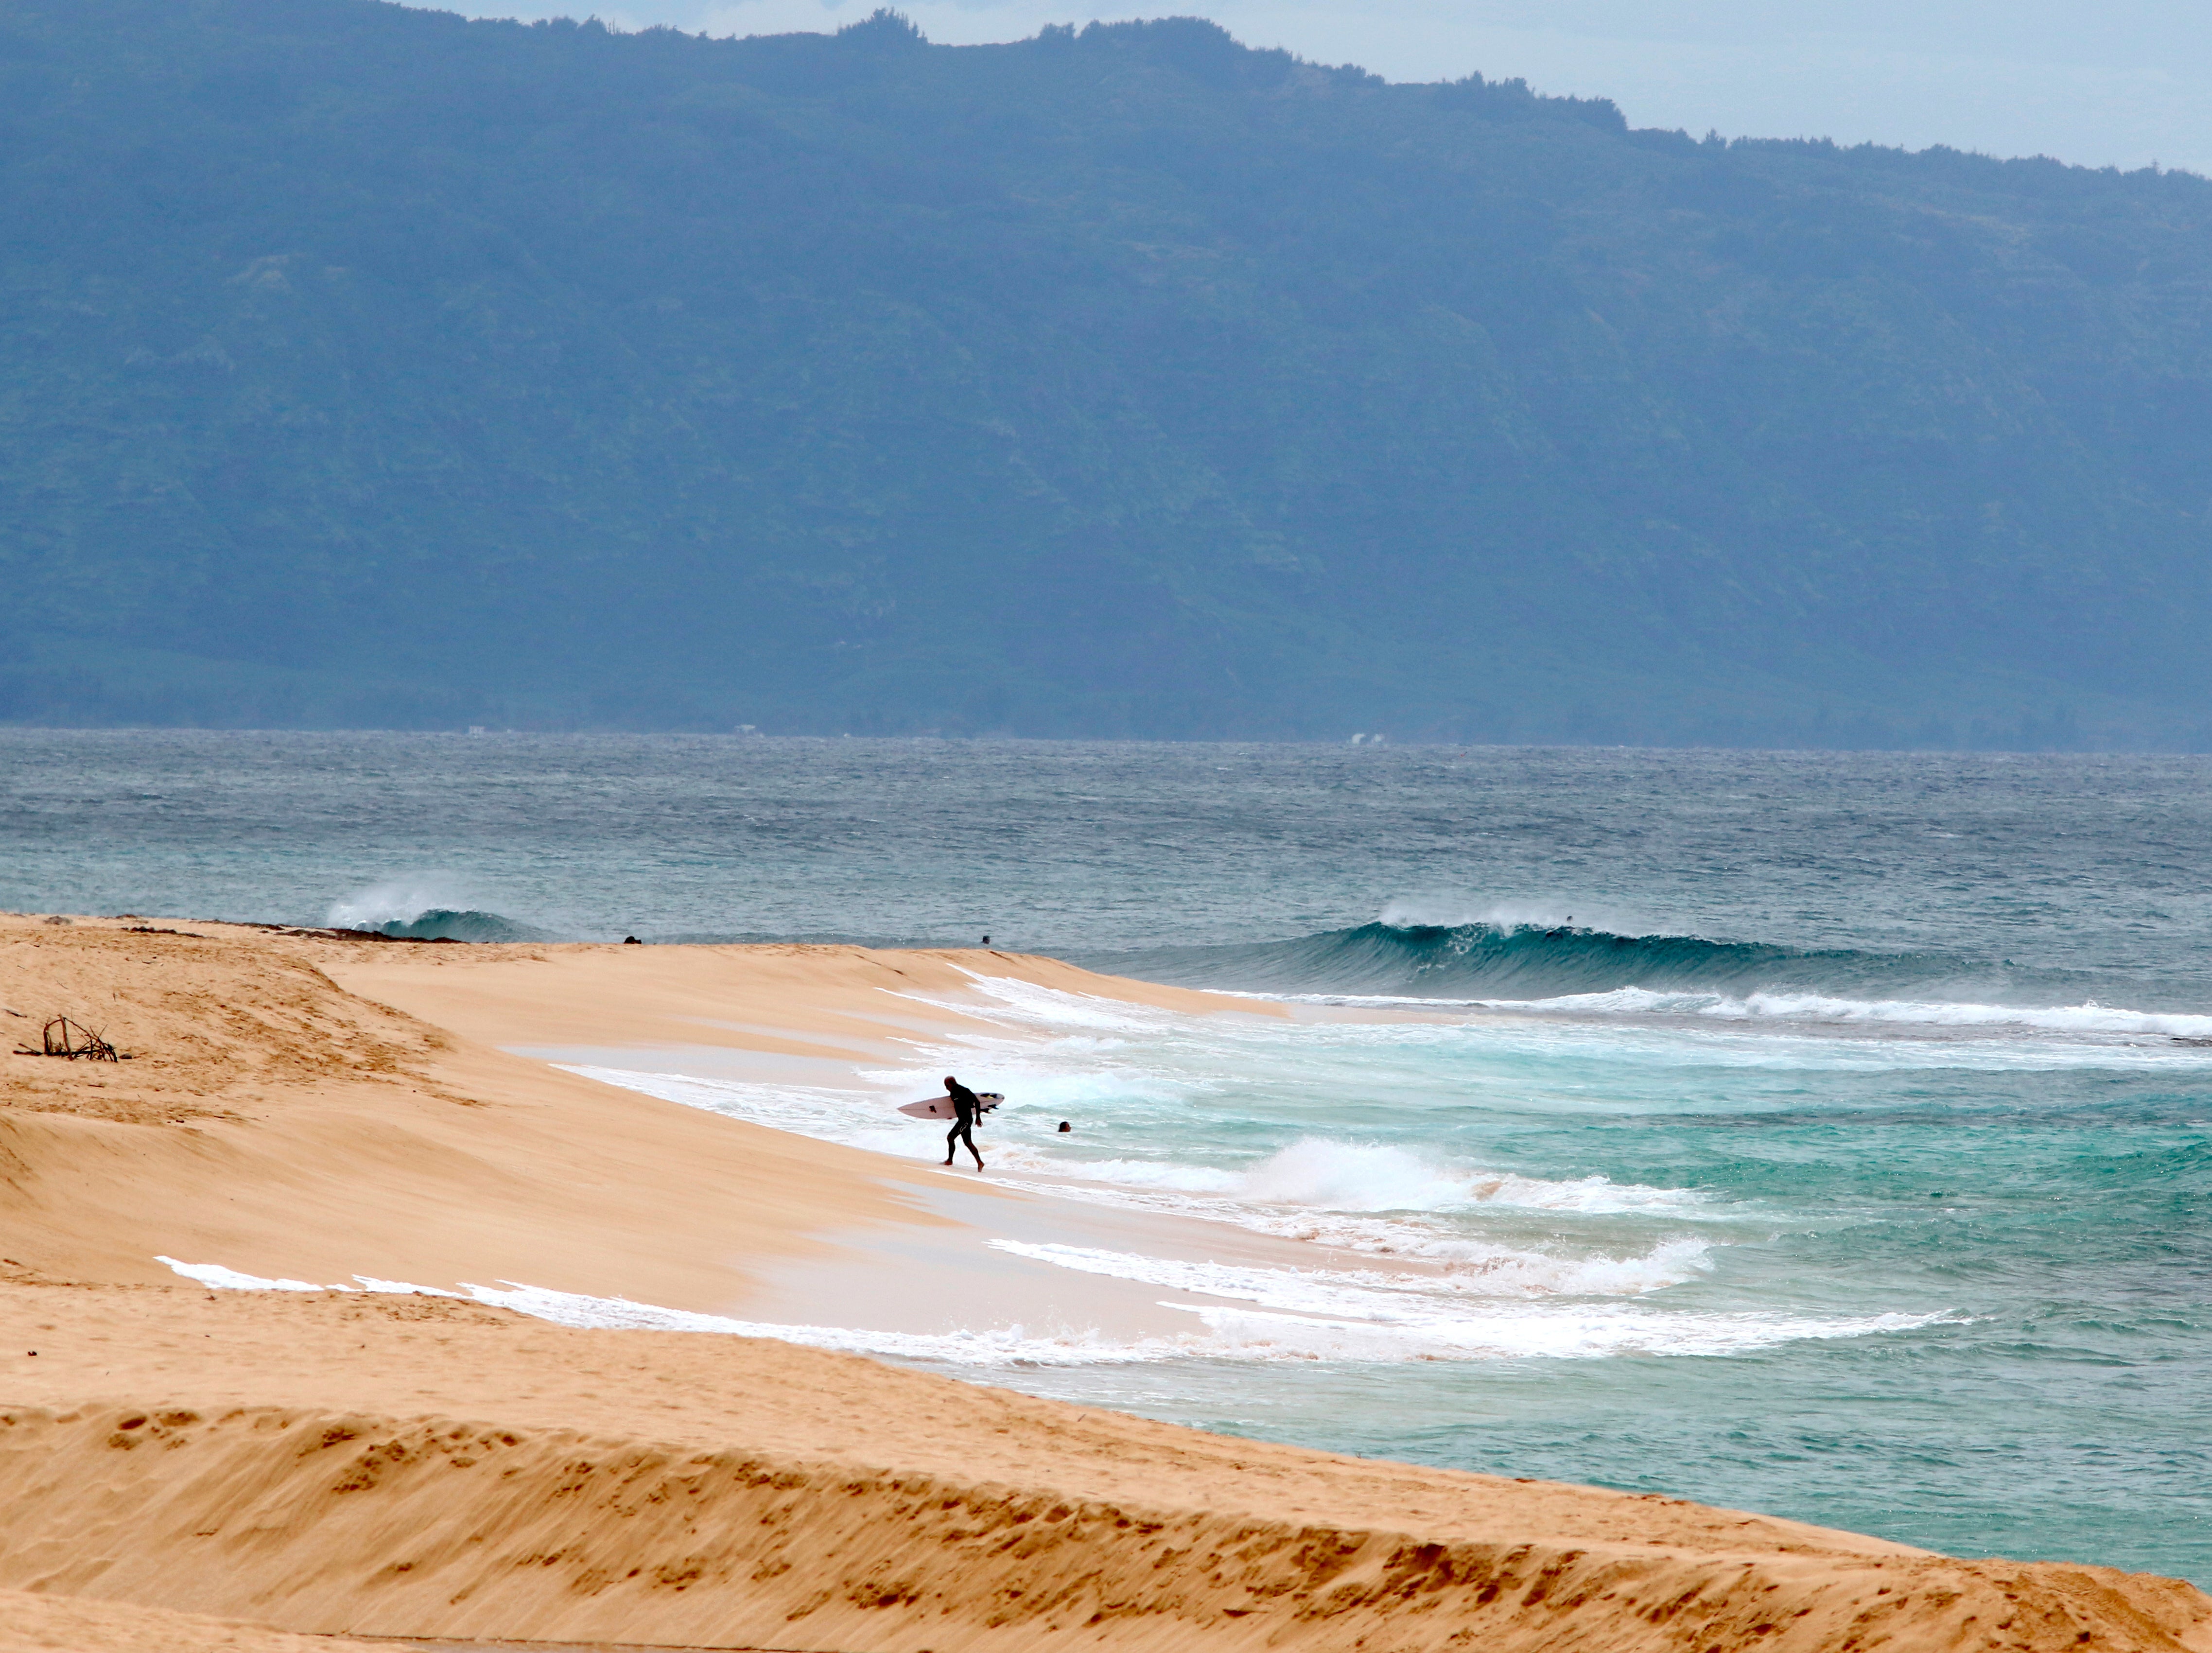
point(73, 1041)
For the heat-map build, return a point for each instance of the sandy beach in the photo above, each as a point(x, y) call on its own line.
point(324, 1110)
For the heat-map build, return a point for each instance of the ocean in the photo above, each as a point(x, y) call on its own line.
point(1829, 1135)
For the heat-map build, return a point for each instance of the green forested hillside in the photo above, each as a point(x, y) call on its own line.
point(363, 365)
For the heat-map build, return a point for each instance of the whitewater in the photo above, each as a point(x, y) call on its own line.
point(1828, 1134)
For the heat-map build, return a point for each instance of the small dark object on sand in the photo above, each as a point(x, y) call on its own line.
point(65, 1038)
point(632, 941)
point(1065, 1126)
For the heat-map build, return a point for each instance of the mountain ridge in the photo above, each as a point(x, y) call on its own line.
point(370, 367)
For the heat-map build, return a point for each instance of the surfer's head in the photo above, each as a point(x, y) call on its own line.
point(950, 1081)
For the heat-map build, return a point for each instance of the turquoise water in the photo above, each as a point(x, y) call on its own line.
point(2026, 1215)
point(1816, 1134)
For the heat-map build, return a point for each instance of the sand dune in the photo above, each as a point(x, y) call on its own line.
point(523, 1481)
point(430, 1468)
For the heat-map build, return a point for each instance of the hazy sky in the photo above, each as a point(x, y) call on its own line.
point(2100, 82)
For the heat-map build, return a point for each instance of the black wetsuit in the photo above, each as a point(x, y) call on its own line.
point(966, 1110)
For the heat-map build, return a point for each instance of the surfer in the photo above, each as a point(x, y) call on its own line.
point(966, 1110)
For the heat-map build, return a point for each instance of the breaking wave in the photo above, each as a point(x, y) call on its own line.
point(424, 909)
point(1374, 1199)
point(446, 924)
point(1562, 965)
point(1526, 961)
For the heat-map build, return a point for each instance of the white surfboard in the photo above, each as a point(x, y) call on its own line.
point(941, 1107)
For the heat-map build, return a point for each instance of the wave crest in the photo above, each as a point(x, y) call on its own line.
point(424, 909)
point(446, 924)
point(1522, 957)
point(1533, 960)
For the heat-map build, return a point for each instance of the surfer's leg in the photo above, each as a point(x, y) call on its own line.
point(951, 1137)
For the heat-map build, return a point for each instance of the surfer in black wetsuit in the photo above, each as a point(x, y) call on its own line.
point(966, 1110)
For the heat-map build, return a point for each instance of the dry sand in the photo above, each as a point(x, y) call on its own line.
point(66, 1624)
point(424, 1467)
point(288, 1127)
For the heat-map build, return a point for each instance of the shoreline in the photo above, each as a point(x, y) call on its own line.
point(309, 1108)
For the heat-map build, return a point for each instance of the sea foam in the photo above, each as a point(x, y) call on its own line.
point(1368, 1197)
point(1811, 1009)
point(1228, 1333)
point(1504, 1275)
